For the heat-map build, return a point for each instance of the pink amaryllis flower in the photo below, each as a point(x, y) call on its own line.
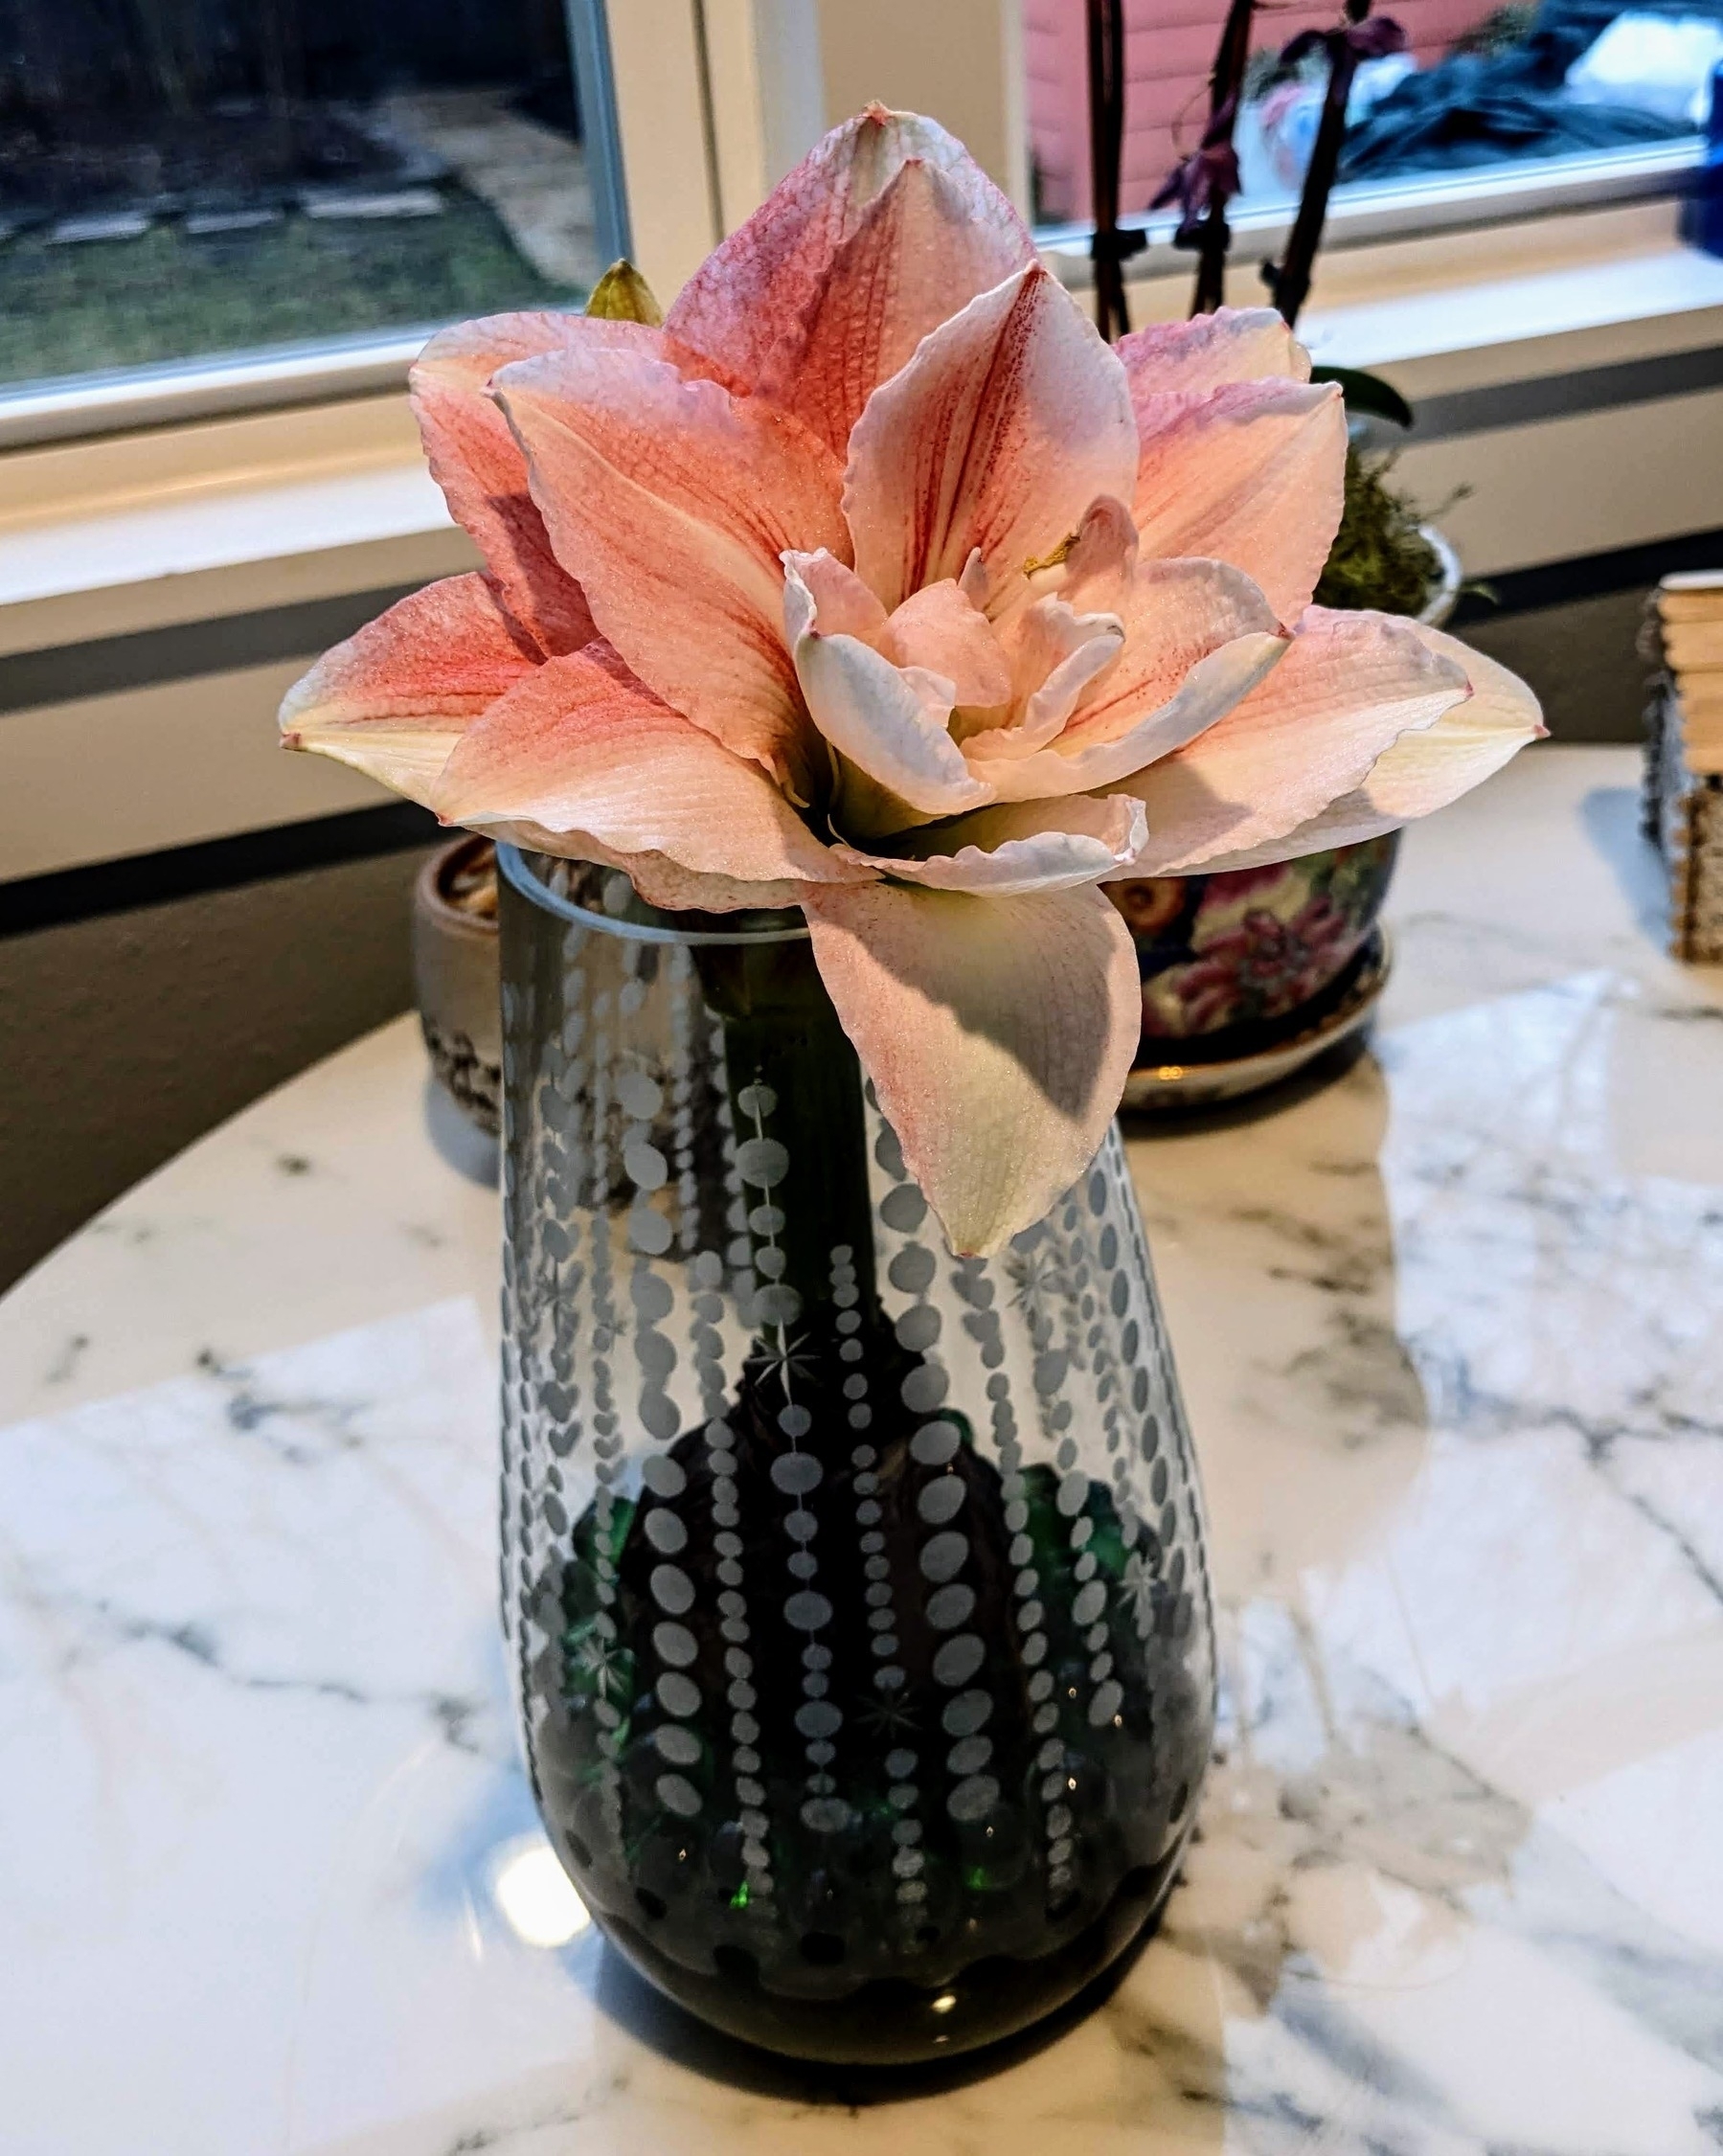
point(874, 582)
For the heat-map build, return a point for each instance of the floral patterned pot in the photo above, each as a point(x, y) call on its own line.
point(1224, 958)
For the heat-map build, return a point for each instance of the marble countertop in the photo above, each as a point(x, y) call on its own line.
point(1451, 1330)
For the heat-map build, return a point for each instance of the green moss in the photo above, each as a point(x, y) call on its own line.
point(1379, 558)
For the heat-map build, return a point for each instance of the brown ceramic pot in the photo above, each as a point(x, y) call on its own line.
point(455, 972)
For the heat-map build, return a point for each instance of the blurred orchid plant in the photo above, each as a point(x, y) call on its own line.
point(874, 582)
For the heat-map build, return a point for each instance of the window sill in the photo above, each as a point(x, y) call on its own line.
point(1569, 373)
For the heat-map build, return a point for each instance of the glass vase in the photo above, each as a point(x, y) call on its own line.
point(855, 1592)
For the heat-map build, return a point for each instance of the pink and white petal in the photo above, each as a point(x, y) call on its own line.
point(1029, 846)
point(1056, 654)
point(1234, 344)
point(392, 700)
point(478, 464)
point(843, 606)
point(1078, 763)
point(1421, 771)
point(998, 435)
point(997, 1031)
point(938, 628)
point(1097, 571)
point(889, 722)
point(673, 501)
point(1350, 687)
point(751, 301)
point(926, 244)
point(583, 747)
point(1253, 474)
point(1175, 615)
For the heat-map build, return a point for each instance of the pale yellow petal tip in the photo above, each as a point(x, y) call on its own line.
point(623, 295)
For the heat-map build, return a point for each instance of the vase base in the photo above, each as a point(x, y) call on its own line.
point(887, 2023)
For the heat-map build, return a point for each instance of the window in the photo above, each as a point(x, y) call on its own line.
point(1531, 107)
point(183, 179)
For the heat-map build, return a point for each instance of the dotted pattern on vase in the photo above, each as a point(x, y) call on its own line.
point(810, 1609)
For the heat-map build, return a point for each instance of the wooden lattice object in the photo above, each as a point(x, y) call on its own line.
point(1684, 769)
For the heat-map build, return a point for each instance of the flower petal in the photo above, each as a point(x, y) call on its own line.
point(887, 721)
point(1029, 846)
point(997, 1031)
point(926, 244)
point(478, 464)
point(583, 748)
point(1421, 770)
point(392, 700)
point(1234, 344)
point(1075, 764)
point(1348, 688)
point(937, 628)
point(760, 300)
point(1057, 654)
point(1253, 474)
point(671, 501)
point(842, 604)
point(998, 435)
point(1198, 636)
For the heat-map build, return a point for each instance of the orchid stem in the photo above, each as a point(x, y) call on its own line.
point(1290, 284)
point(1106, 149)
point(1226, 91)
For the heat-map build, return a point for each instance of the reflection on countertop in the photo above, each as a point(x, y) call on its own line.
point(1451, 1330)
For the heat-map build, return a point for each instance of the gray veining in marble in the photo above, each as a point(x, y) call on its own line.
point(1451, 1330)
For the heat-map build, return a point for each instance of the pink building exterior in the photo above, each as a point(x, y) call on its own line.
point(1170, 49)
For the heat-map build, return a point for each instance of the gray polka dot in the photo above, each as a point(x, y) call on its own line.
point(649, 1231)
point(1074, 1492)
point(964, 1714)
point(973, 1799)
point(795, 1421)
point(650, 1295)
point(924, 1388)
point(941, 1500)
point(912, 1269)
point(673, 1590)
point(638, 1094)
point(819, 1717)
point(1050, 1371)
point(677, 1695)
point(761, 1161)
point(950, 1607)
point(1089, 1602)
point(1108, 1699)
point(680, 1746)
point(677, 1794)
point(757, 1099)
point(645, 1165)
point(955, 1662)
point(808, 1611)
point(777, 1305)
point(942, 1554)
point(658, 1412)
point(903, 1209)
point(825, 1815)
point(663, 1477)
point(900, 1765)
point(676, 1644)
point(796, 1472)
point(969, 1755)
point(934, 1443)
point(919, 1329)
point(665, 1532)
